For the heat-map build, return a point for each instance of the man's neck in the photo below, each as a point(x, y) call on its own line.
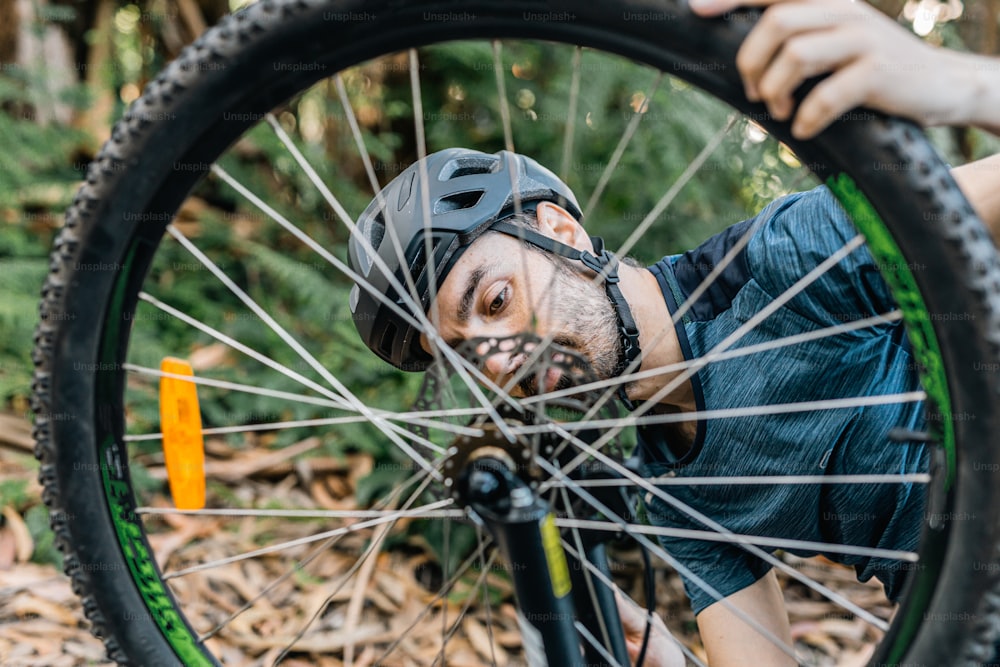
point(658, 341)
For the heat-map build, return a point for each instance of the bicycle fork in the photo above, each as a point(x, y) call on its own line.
point(549, 609)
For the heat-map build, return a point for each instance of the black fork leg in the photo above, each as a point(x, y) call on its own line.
point(592, 609)
point(524, 528)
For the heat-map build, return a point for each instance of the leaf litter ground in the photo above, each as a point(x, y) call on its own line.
point(336, 612)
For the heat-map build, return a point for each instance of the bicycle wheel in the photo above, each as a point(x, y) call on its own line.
point(113, 273)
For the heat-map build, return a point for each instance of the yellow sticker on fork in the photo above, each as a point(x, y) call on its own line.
point(183, 443)
point(555, 556)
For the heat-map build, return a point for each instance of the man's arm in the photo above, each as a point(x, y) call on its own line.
point(730, 641)
point(727, 638)
point(980, 181)
point(874, 62)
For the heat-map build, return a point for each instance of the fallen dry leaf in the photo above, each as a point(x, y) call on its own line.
point(24, 546)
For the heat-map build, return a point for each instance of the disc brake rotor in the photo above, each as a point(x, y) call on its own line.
point(443, 391)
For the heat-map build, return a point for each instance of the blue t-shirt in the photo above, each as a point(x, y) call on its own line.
point(795, 234)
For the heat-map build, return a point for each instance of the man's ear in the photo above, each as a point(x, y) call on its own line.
point(556, 222)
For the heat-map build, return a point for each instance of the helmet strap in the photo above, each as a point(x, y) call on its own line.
point(605, 264)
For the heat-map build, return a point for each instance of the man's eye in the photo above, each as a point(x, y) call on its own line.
point(498, 301)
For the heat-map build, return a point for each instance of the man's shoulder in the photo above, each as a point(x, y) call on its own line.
point(794, 234)
point(776, 247)
point(804, 219)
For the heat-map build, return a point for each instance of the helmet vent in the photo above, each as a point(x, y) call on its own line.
point(376, 231)
point(419, 261)
point(388, 336)
point(418, 266)
point(458, 201)
point(467, 166)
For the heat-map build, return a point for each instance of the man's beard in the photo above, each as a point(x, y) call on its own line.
point(584, 321)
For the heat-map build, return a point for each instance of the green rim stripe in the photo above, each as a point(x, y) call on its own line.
point(896, 272)
point(121, 503)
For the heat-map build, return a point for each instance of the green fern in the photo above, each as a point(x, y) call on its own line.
point(20, 284)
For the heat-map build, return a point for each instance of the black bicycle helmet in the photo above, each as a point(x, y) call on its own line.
point(470, 192)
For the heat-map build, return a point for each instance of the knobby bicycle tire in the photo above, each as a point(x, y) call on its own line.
point(243, 67)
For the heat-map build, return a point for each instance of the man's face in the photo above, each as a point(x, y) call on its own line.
point(501, 287)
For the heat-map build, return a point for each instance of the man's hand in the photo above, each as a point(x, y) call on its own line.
point(874, 61)
point(662, 651)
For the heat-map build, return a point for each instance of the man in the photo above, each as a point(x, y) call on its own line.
point(500, 272)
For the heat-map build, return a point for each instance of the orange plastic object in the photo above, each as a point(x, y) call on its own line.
point(183, 443)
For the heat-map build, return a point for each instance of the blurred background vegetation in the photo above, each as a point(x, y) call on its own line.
point(69, 69)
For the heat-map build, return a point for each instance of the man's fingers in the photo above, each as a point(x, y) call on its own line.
point(632, 619)
point(716, 7)
point(633, 623)
point(841, 92)
point(802, 57)
point(776, 28)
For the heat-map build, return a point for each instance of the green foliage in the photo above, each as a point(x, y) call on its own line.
point(38, 173)
point(46, 552)
point(14, 492)
point(20, 285)
point(37, 157)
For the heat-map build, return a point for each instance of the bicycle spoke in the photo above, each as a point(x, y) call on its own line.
point(675, 189)
point(354, 606)
point(692, 298)
point(299, 514)
point(424, 418)
point(736, 538)
point(438, 347)
point(498, 71)
point(308, 539)
point(744, 480)
point(236, 386)
point(410, 297)
point(446, 544)
point(569, 132)
point(729, 413)
point(430, 331)
point(623, 142)
point(434, 315)
point(329, 421)
point(592, 640)
point(265, 317)
point(487, 603)
point(359, 140)
point(362, 569)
